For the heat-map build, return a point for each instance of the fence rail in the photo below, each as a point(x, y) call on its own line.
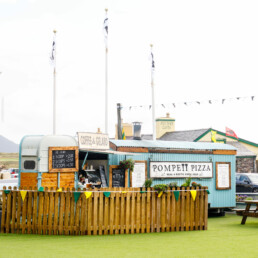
point(125, 211)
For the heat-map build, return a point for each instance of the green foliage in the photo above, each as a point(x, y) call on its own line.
point(147, 183)
point(160, 187)
point(248, 198)
point(194, 184)
point(127, 164)
point(172, 184)
point(187, 182)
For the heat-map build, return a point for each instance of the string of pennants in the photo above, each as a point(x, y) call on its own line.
point(190, 103)
point(107, 194)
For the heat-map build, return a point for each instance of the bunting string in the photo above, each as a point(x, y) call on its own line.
point(190, 103)
point(124, 192)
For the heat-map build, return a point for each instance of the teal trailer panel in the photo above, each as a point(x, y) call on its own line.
point(217, 198)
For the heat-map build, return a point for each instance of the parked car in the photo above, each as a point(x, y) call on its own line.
point(247, 182)
point(14, 172)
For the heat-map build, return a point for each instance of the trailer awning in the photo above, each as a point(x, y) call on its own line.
point(109, 152)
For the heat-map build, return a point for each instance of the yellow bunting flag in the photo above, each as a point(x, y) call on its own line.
point(193, 193)
point(124, 192)
point(23, 194)
point(88, 194)
point(160, 194)
point(59, 190)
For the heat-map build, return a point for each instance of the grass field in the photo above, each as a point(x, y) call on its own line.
point(225, 237)
point(9, 160)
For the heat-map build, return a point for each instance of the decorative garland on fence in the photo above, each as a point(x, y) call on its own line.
point(107, 194)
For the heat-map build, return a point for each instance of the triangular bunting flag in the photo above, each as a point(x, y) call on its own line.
point(7, 191)
point(124, 192)
point(59, 190)
point(88, 194)
point(208, 191)
point(176, 193)
point(107, 194)
point(23, 194)
point(41, 189)
point(193, 193)
point(160, 194)
point(143, 191)
point(76, 196)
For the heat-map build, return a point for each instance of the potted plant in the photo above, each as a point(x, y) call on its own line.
point(160, 188)
point(147, 183)
point(127, 164)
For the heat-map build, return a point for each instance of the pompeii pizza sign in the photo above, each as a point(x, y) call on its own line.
point(180, 169)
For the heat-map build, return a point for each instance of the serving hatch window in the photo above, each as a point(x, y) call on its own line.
point(29, 164)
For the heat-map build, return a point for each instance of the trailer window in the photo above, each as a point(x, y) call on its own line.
point(29, 164)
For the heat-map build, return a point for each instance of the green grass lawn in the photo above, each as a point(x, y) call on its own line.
point(225, 237)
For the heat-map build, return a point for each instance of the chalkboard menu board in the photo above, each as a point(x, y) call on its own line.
point(118, 177)
point(63, 159)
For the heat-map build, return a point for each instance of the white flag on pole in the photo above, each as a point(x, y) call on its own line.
point(105, 30)
point(53, 52)
point(152, 63)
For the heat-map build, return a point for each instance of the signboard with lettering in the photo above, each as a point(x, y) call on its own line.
point(223, 176)
point(93, 141)
point(181, 169)
point(63, 159)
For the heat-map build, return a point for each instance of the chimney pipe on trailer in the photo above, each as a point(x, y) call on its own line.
point(137, 130)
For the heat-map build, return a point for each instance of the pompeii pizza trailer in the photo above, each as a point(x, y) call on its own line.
point(61, 161)
point(208, 164)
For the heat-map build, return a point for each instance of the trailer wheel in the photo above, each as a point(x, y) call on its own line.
point(222, 213)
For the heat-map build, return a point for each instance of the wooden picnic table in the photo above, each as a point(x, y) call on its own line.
point(247, 212)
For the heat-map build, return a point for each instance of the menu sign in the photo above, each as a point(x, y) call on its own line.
point(63, 159)
point(118, 177)
point(180, 169)
point(223, 176)
point(93, 141)
point(138, 174)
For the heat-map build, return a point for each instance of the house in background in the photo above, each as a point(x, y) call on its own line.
point(247, 151)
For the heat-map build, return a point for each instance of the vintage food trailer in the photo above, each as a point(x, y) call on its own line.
point(208, 164)
point(48, 161)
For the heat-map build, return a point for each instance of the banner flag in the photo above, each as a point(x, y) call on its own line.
point(176, 193)
point(41, 189)
point(230, 132)
point(76, 196)
point(53, 51)
point(123, 134)
point(59, 190)
point(160, 194)
point(7, 191)
point(105, 29)
point(143, 191)
point(124, 191)
point(107, 194)
point(213, 136)
point(193, 193)
point(23, 194)
point(88, 194)
point(152, 63)
point(208, 191)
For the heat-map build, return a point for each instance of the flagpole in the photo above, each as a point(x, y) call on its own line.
point(106, 85)
point(153, 101)
point(54, 90)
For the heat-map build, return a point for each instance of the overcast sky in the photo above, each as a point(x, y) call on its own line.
point(203, 50)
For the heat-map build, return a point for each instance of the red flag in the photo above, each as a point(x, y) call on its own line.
point(230, 132)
